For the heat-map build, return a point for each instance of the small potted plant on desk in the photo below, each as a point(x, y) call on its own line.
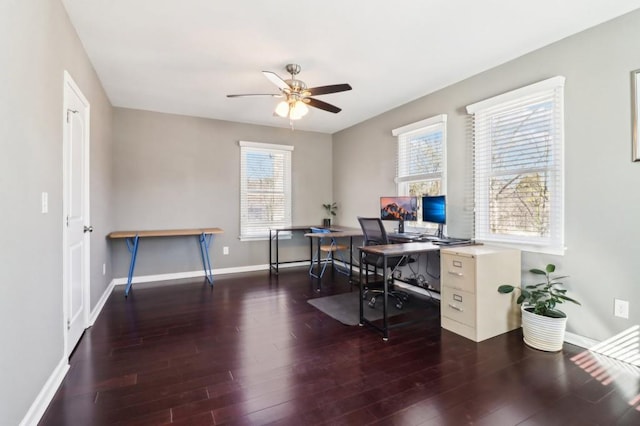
point(331, 211)
point(543, 325)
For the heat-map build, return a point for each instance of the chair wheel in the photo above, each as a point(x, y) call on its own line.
point(372, 302)
point(399, 305)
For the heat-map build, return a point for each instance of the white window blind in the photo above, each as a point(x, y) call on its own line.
point(421, 158)
point(265, 188)
point(518, 167)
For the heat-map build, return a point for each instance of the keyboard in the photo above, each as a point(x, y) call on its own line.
point(405, 235)
point(414, 236)
point(451, 241)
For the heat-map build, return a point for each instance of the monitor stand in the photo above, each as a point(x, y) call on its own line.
point(401, 226)
point(440, 232)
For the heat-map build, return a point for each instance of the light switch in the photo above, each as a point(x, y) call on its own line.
point(45, 202)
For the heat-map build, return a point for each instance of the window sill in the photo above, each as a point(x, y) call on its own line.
point(556, 251)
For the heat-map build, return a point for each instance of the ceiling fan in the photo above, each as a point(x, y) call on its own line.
point(297, 95)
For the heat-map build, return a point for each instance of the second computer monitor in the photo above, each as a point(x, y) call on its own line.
point(434, 210)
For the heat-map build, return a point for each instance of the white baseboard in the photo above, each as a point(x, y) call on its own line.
point(200, 273)
point(44, 398)
point(42, 401)
point(98, 308)
point(576, 339)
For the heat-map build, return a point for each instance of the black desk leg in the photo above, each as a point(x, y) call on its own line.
point(361, 291)
point(270, 256)
point(319, 267)
point(277, 258)
point(350, 260)
point(385, 325)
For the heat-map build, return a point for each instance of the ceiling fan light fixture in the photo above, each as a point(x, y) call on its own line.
point(282, 109)
point(294, 110)
point(298, 110)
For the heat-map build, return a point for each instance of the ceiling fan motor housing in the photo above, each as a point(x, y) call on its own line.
point(293, 69)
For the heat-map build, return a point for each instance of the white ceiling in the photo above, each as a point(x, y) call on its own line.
point(185, 56)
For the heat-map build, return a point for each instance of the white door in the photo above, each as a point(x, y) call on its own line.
point(77, 227)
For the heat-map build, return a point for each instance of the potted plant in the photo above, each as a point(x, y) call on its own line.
point(543, 324)
point(331, 211)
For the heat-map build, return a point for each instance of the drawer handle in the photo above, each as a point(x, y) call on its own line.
point(456, 308)
point(457, 274)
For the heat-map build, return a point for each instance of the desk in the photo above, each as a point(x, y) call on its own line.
point(274, 234)
point(386, 251)
point(335, 232)
point(132, 238)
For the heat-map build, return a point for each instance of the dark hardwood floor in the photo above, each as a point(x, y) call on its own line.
point(251, 351)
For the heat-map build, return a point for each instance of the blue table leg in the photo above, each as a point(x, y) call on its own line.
point(205, 242)
point(132, 245)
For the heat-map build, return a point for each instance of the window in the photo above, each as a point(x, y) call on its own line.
point(518, 167)
point(421, 160)
point(265, 188)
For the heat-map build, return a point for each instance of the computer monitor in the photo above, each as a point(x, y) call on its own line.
point(400, 209)
point(434, 210)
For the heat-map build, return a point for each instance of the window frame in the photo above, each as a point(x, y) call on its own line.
point(259, 147)
point(422, 127)
point(482, 112)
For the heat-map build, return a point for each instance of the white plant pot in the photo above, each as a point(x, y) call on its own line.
point(544, 333)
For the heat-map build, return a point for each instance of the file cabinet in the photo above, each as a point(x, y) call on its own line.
point(470, 303)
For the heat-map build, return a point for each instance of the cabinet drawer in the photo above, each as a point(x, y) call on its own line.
point(458, 272)
point(459, 306)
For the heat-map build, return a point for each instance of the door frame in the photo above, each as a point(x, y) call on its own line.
point(69, 84)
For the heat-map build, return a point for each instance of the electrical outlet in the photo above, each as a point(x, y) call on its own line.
point(621, 308)
point(104, 269)
point(225, 250)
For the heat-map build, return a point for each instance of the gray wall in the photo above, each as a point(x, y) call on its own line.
point(151, 170)
point(602, 204)
point(174, 171)
point(37, 43)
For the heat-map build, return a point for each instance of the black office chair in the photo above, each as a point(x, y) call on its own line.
point(375, 234)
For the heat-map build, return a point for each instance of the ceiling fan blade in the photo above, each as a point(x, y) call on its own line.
point(322, 105)
point(323, 90)
point(275, 79)
point(246, 95)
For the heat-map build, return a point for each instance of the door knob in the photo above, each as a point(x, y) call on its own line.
point(88, 228)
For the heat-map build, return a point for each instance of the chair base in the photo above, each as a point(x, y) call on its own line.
point(372, 295)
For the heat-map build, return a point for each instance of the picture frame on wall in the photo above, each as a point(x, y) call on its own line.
point(635, 87)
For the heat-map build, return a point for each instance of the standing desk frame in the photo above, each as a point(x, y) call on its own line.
point(132, 239)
